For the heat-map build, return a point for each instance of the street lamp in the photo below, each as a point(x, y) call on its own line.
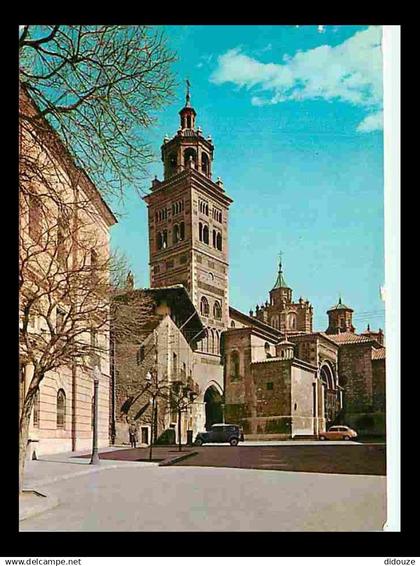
point(95, 456)
point(154, 391)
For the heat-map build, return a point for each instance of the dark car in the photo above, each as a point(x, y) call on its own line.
point(221, 433)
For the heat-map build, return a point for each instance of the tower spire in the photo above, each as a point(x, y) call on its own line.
point(280, 281)
point(187, 95)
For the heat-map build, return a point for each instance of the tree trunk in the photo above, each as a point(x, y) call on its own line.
point(23, 436)
point(25, 418)
point(179, 431)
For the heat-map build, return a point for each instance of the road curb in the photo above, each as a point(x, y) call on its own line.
point(34, 484)
point(37, 506)
point(171, 461)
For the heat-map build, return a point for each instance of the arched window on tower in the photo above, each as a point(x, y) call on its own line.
point(190, 158)
point(267, 350)
point(217, 310)
point(219, 241)
point(164, 239)
point(291, 321)
point(176, 237)
point(205, 169)
point(159, 240)
point(214, 238)
point(206, 234)
point(200, 231)
point(61, 409)
point(204, 306)
point(172, 163)
point(181, 231)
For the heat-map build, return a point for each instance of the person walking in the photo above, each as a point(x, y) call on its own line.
point(132, 431)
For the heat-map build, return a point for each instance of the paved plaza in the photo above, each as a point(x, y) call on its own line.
point(136, 496)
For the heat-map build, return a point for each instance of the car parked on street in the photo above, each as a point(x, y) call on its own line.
point(221, 433)
point(339, 432)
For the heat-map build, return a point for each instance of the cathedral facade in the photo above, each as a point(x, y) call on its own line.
point(269, 370)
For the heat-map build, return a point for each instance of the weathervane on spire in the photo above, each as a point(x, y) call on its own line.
point(187, 97)
point(280, 259)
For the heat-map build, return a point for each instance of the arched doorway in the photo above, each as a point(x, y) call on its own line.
point(331, 399)
point(214, 408)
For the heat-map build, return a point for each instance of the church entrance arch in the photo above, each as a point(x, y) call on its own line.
point(214, 407)
point(331, 401)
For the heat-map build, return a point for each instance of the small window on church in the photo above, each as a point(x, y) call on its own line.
point(188, 121)
point(182, 231)
point(200, 231)
point(219, 241)
point(270, 386)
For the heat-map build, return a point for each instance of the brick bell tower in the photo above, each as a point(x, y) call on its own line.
point(188, 227)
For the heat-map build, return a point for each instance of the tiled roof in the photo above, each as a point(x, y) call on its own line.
point(349, 338)
point(379, 354)
point(254, 322)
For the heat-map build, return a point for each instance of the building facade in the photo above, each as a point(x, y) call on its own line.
point(155, 333)
point(268, 390)
point(361, 366)
point(64, 229)
point(188, 245)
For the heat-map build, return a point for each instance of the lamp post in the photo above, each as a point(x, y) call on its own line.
point(95, 456)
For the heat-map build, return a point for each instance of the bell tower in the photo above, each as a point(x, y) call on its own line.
point(188, 227)
point(188, 149)
point(340, 319)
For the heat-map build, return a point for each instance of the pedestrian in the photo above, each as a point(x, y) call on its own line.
point(132, 431)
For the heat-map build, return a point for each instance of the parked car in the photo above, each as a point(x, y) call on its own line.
point(340, 432)
point(221, 433)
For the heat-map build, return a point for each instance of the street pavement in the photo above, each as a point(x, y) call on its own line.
point(135, 497)
point(352, 458)
point(300, 456)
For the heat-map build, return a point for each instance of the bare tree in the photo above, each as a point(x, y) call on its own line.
point(181, 397)
point(93, 88)
point(98, 86)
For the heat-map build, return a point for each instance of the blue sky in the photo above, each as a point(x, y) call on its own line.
point(295, 116)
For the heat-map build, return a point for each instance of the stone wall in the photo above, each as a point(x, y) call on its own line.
point(378, 376)
point(302, 401)
point(356, 376)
